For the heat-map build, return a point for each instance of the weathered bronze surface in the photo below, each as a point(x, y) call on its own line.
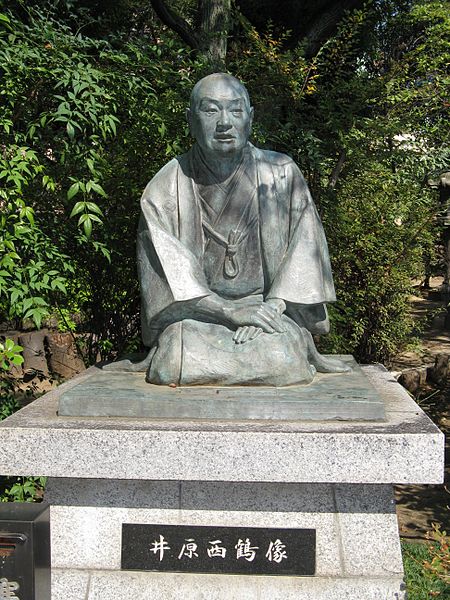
point(330, 397)
point(232, 258)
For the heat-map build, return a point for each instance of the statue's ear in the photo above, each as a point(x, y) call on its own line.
point(252, 113)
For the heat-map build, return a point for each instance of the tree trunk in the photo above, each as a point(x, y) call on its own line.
point(214, 26)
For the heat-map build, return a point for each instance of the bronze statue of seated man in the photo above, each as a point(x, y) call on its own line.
point(232, 258)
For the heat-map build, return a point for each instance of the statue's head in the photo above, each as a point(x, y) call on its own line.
point(220, 116)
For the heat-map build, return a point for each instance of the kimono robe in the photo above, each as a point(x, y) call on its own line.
point(257, 234)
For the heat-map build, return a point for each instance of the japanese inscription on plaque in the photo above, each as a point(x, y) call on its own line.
point(8, 589)
point(238, 550)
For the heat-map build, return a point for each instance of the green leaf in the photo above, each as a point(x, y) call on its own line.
point(98, 188)
point(94, 208)
point(28, 213)
point(73, 191)
point(106, 253)
point(20, 230)
point(90, 164)
point(83, 219)
point(79, 207)
point(37, 317)
point(57, 283)
point(70, 130)
point(40, 301)
point(15, 295)
point(113, 126)
point(27, 303)
point(5, 22)
point(87, 225)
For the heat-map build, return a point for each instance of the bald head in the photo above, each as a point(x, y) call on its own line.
point(215, 84)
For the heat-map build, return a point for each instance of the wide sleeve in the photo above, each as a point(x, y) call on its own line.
point(304, 273)
point(169, 266)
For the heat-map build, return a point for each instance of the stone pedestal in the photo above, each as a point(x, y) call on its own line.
point(330, 476)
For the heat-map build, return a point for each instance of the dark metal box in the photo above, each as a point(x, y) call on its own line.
point(25, 551)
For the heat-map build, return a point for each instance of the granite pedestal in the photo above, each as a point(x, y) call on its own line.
point(334, 477)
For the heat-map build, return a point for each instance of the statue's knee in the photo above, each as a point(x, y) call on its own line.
point(320, 328)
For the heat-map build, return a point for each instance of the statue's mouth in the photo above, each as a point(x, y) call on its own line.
point(224, 138)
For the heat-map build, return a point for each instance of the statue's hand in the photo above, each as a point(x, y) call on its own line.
point(246, 334)
point(250, 332)
point(258, 314)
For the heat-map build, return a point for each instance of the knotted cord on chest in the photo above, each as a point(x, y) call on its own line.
point(231, 245)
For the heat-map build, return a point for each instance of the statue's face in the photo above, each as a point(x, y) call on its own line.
point(220, 118)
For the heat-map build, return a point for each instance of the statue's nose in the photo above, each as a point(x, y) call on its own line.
point(223, 122)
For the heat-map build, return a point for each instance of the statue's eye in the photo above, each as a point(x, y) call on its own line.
point(237, 112)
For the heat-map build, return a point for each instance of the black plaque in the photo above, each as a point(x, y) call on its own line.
point(233, 550)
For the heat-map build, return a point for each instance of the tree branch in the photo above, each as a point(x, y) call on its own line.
point(327, 21)
point(176, 23)
point(334, 176)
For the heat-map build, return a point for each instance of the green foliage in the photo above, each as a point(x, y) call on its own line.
point(65, 321)
point(14, 489)
point(32, 269)
point(10, 354)
point(381, 229)
point(85, 124)
point(438, 564)
point(367, 122)
point(22, 489)
point(304, 105)
point(8, 403)
point(382, 214)
point(422, 581)
point(417, 81)
point(93, 105)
